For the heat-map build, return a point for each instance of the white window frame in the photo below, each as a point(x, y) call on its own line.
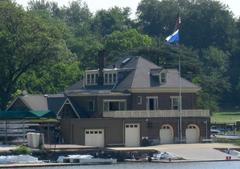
point(114, 100)
point(161, 79)
point(89, 80)
point(147, 103)
point(139, 100)
point(178, 102)
point(108, 80)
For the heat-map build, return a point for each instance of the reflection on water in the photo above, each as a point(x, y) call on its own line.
point(202, 165)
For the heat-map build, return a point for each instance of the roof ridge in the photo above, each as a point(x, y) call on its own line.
point(135, 70)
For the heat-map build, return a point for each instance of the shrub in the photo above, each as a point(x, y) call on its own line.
point(22, 149)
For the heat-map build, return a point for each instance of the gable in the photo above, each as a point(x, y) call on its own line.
point(18, 105)
point(67, 110)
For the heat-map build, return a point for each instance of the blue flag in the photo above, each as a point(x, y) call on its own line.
point(173, 38)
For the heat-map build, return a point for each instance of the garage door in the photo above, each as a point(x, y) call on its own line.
point(94, 137)
point(192, 134)
point(132, 135)
point(166, 134)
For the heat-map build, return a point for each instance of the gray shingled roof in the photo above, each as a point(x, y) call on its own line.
point(137, 73)
point(51, 102)
point(35, 102)
point(173, 81)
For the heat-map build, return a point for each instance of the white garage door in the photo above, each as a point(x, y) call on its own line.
point(166, 134)
point(192, 134)
point(94, 137)
point(132, 135)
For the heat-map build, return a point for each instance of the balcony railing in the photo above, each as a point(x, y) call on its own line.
point(156, 113)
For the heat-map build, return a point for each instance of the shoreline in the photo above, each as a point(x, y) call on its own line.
point(190, 153)
point(33, 165)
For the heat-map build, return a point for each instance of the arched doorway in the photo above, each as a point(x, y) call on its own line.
point(166, 134)
point(192, 133)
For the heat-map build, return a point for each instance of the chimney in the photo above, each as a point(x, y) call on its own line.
point(101, 59)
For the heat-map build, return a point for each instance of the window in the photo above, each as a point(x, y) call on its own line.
point(91, 78)
point(152, 103)
point(139, 99)
point(91, 106)
point(114, 78)
point(88, 79)
point(110, 78)
point(162, 77)
point(114, 105)
point(175, 102)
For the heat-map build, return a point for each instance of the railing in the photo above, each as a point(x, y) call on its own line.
point(156, 113)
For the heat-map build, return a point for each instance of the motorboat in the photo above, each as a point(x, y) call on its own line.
point(85, 160)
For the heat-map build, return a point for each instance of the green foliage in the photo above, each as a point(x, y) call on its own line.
point(120, 43)
point(26, 41)
point(213, 77)
point(46, 48)
point(50, 79)
point(157, 18)
point(230, 141)
point(225, 117)
point(22, 149)
point(107, 21)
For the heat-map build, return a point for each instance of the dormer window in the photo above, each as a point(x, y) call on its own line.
point(163, 77)
point(110, 78)
point(91, 78)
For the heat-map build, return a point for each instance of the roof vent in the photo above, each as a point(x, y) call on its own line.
point(125, 60)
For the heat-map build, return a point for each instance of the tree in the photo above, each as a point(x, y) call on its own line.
point(78, 17)
point(157, 18)
point(50, 78)
point(25, 42)
point(213, 77)
point(207, 23)
point(120, 43)
point(114, 19)
point(45, 6)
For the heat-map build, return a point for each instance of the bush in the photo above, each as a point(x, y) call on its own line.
point(22, 149)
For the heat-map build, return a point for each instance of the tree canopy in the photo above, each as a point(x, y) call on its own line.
point(45, 48)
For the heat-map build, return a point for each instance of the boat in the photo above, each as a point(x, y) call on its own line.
point(85, 160)
point(18, 159)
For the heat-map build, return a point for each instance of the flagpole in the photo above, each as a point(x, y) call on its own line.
point(180, 84)
point(180, 97)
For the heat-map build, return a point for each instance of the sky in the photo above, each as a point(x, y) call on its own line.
point(95, 5)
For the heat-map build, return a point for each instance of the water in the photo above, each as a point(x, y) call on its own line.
point(195, 165)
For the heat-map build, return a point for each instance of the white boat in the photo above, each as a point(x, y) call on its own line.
point(85, 160)
point(19, 159)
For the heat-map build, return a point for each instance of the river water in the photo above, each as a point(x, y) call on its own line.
point(194, 165)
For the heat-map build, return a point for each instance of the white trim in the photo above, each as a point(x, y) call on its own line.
point(115, 100)
point(147, 103)
point(178, 100)
point(106, 78)
point(160, 77)
point(69, 102)
point(97, 94)
point(91, 83)
point(164, 90)
point(139, 100)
